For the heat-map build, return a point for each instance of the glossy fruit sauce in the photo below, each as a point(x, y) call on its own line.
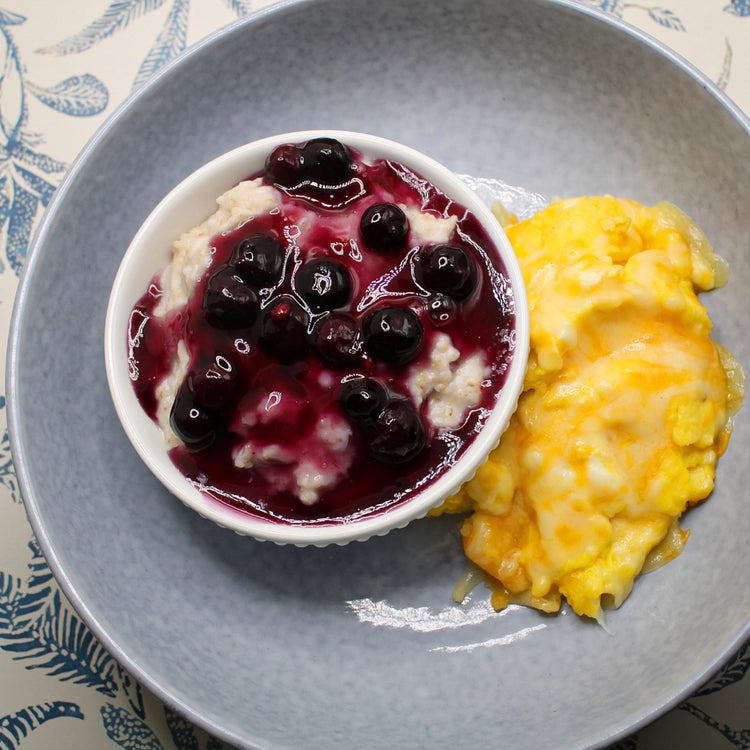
point(308, 323)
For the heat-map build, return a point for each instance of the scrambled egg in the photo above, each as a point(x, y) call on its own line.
point(627, 406)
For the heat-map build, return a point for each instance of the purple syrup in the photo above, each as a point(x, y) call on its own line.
point(283, 383)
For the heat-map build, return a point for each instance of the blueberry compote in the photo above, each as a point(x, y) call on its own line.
point(299, 344)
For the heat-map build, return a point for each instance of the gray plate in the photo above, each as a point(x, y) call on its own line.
point(361, 646)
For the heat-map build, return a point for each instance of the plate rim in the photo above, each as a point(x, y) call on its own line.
point(619, 730)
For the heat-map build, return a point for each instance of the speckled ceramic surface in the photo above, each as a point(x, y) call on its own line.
point(361, 646)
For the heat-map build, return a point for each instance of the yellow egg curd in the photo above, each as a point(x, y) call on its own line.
point(627, 406)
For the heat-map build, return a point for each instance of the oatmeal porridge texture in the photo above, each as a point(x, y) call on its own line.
point(330, 339)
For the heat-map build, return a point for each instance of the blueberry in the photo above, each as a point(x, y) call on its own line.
point(398, 435)
point(384, 226)
point(447, 269)
point(191, 421)
point(362, 399)
point(337, 340)
point(214, 386)
point(393, 334)
point(283, 330)
point(227, 301)
point(326, 161)
point(284, 166)
point(442, 309)
point(258, 260)
point(324, 284)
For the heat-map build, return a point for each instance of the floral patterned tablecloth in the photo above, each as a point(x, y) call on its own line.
point(67, 65)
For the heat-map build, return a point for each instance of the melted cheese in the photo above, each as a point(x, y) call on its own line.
point(627, 406)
